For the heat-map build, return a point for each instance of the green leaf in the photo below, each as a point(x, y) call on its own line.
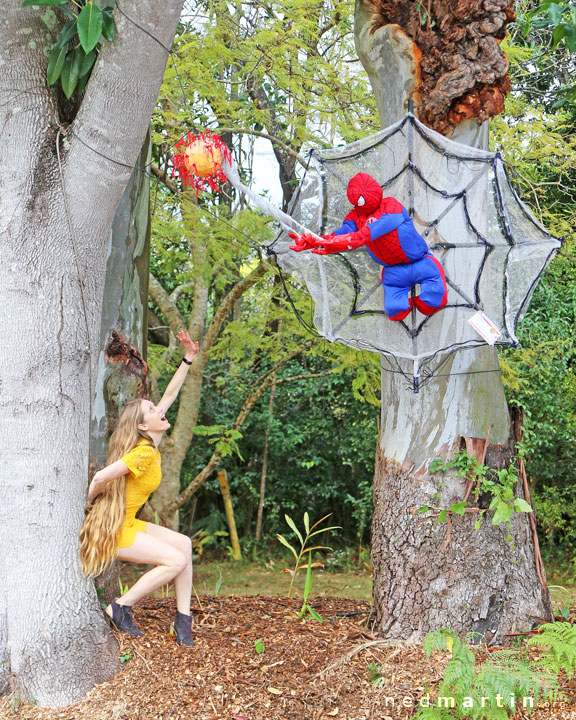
point(478, 523)
point(314, 614)
point(459, 508)
point(55, 64)
point(570, 37)
point(67, 33)
point(423, 509)
point(441, 517)
point(307, 522)
point(287, 544)
point(87, 63)
point(555, 13)
point(558, 34)
point(503, 513)
point(308, 583)
point(495, 503)
point(108, 24)
point(332, 527)
point(259, 646)
point(521, 505)
point(69, 77)
point(90, 24)
point(293, 526)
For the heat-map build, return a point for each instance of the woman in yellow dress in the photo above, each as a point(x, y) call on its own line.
point(111, 529)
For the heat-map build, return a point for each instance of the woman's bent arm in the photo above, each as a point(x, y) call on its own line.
point(104, 476)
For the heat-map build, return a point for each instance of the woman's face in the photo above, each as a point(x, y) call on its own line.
point(153, 419)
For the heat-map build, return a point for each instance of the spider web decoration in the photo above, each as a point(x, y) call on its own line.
point(462, 202)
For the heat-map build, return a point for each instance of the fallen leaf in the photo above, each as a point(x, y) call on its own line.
point(274, 691)
point(334, 712)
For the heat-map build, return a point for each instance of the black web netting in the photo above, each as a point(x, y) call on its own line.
point(492, 249)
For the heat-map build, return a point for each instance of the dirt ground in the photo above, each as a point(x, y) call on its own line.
point(307, 670)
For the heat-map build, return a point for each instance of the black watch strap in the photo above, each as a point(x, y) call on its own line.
point(188, 362)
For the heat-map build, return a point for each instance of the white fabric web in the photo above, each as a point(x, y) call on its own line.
point(492, 248)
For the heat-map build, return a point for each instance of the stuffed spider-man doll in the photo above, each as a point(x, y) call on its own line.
point(384, 227)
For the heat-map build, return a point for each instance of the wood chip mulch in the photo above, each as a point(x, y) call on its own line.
point(307, 671)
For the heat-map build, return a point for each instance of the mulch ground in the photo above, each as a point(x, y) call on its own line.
point(307, 671)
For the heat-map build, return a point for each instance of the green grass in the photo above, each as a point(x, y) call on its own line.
point(248, 578)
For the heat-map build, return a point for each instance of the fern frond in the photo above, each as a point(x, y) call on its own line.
point(460, 673)
point(513, 679)
point(438, 640)
point(559, 642)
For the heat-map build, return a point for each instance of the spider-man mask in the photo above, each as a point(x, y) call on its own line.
point(364, 193)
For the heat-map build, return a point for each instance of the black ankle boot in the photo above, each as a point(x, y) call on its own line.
point(182, 627)
point(123, 620)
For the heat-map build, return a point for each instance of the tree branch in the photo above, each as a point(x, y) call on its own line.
point(254, 395)
point(229, 301)
point(168, 308)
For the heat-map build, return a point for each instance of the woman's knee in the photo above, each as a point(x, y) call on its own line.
point(177, 561)
point(184, 545)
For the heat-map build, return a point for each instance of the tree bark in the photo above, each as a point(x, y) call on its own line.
point(55, 222)
point(125, 304)
point(485, 580)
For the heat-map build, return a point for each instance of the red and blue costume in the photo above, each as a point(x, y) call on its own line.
point(383, 226)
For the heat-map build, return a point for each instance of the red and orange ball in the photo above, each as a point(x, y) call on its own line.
point(198, 160)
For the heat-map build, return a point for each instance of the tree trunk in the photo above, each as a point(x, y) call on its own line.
point(125, 304)
point(262, 496)
point(55, 225)
point(418, 585)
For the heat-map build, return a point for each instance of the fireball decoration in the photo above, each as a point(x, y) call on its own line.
point(198, 161)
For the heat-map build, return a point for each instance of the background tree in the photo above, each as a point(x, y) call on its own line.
point(66, 161)
point(447, 58)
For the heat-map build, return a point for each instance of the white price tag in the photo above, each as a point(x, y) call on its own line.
point(485, 327)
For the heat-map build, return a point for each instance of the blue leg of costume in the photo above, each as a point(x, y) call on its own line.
point(397, 285)
point(398, 281)
point(433, 290)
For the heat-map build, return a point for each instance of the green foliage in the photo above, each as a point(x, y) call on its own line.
point(259, 646)
point(498, 484)
point(225, 441)
point(375, 675)
point(305, 548)
point(125, 656)
point(492, 689)
point(73, 55)
point(559, 643)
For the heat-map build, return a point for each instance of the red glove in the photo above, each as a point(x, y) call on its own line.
point(303, 242)
point(349, 241)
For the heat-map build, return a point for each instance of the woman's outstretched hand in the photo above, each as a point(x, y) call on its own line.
point(190, 347)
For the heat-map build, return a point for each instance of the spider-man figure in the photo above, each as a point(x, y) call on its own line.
point(383, 225)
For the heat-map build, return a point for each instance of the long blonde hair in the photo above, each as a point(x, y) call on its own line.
point(104, 517)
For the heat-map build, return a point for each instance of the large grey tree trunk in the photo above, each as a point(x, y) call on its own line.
point(54, 234)
point(482, 580)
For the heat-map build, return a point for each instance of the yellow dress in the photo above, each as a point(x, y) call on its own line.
point(143, 462)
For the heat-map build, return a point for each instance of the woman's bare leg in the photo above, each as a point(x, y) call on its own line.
point(169, 562)
point(182, 581)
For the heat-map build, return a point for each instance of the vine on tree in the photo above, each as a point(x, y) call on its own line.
point(497, 483)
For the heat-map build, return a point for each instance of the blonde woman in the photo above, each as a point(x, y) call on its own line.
point(111, 529)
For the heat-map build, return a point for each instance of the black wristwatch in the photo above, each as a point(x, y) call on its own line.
point(188, 362)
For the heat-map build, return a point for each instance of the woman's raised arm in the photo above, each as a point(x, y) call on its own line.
point(179, 376)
